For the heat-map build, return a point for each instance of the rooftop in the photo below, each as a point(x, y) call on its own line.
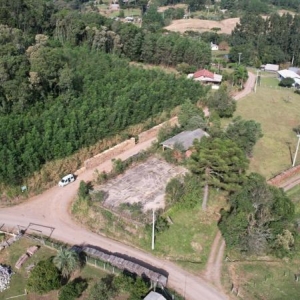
point(185, 138)
point(203, 73)
point(288, 73)
point(271, 67)
point(154, 296)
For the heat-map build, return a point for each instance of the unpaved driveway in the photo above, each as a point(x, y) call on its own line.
point(249, 86)
point(52, 209)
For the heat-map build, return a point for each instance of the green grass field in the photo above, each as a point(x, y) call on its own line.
point(278, 113)
point(269, 80)
point(188, 241)
point(262, 280)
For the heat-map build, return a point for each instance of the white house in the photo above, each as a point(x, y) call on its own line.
point(289, 74)
point(213, 46)
point(154, 296)
point(271, 68)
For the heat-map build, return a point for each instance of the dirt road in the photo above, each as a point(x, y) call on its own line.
point(249, 85)
point(52, 209)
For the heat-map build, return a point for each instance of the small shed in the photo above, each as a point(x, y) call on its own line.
point(185, 139)
point(271, 68)
point(154, 296)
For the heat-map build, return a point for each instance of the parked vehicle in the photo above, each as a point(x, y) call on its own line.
point(66, 180)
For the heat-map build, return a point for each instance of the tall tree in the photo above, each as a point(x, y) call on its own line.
point(220, 163)
point(259, 220)
point(67, 261)
point(245, 133)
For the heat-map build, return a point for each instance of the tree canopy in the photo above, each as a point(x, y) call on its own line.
point(44, 278)
point(259, 220)
point(245, 133)
point(271, 40)
point(219, 162)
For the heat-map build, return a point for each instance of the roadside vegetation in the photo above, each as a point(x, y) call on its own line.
point(63, 275)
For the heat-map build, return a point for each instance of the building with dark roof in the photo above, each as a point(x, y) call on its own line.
point(184, 139)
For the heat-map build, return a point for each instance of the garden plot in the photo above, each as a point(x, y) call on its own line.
point(144, 183)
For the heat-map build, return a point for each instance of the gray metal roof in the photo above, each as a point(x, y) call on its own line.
point(185, 138)
point(154, 296)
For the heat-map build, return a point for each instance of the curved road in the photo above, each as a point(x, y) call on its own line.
point(51, 208)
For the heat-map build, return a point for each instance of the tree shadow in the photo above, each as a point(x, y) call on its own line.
point(290, 151)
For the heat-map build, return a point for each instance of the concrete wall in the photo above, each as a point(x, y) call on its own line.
point(284, 176)
point(124, 146)
point(152, 132)
point(109, 154)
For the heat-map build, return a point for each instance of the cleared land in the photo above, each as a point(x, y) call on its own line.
point(143, 183)
point(277, 110)
point(183, 25)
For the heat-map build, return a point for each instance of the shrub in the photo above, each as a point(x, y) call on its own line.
point(287, 82)
point(44, 278)
point(73, 289)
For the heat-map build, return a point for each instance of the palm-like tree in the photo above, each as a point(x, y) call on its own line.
point(67, 261)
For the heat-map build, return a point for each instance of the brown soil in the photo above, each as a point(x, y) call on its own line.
point(183, 25)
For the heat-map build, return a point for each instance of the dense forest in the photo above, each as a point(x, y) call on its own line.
point(260, 6)
point(272, 40)
point(66, 82)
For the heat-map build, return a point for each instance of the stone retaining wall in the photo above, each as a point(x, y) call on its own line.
point(282, 177)
point(109, 154)
point(124, 146)
point(153, 132)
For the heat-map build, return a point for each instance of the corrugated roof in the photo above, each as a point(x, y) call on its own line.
point(288, 74)
point(185, 138)
point(154, 296)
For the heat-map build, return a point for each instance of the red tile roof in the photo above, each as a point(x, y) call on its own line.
point(204, 73)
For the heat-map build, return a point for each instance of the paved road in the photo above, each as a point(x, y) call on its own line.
point(51, 208)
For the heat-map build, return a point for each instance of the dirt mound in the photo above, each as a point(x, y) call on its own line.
point(203, 25)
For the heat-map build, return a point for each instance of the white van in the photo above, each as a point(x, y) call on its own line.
point(66, 180)
point(129, 19)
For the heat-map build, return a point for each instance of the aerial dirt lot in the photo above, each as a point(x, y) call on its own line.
point(143, 183)
point(183, 25)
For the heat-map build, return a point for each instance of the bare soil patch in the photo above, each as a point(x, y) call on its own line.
point(143, 183)
point(183, 25)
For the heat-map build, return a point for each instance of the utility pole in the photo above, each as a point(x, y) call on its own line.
point(153, 229)
point(296, 153)
point(255, 86)
point(240, 53)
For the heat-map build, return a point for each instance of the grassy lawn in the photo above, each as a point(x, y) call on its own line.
point(269, 81)
point(10, 256)
point(188, 241)
point(278, 112)
point(261, 280)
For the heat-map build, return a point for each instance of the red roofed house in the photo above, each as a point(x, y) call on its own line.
point(206, 76)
